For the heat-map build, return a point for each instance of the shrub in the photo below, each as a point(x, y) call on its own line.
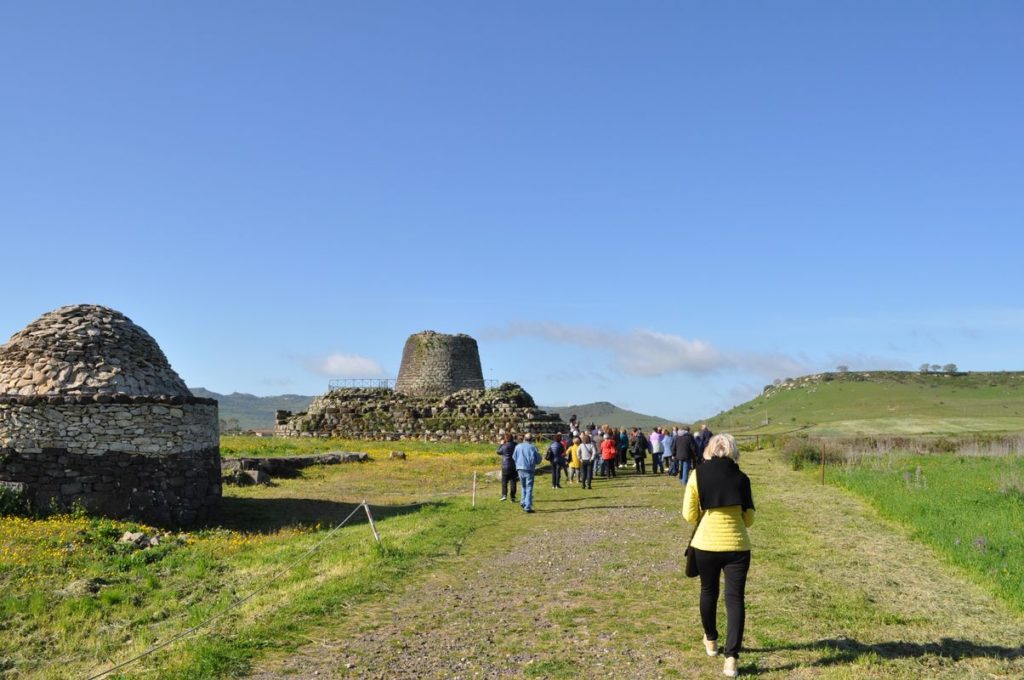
point(802, 451)
point(12, 502)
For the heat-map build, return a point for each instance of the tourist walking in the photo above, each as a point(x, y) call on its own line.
point(684, 451)
point(526, 458)
point(588, 455)
point(701, 439)
point(718, 495)
point(666, 442)
point(609, 452)
point(638, 449)
point(656, 451)
point(509, 476)
point(573, 454)
point(556, 456)
point(622, 442)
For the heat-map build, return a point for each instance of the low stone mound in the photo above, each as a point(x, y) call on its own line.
point(381, 414)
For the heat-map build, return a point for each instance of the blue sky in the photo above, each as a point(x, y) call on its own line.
point(665, 205)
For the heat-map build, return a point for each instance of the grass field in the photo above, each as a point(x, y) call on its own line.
point(968, 509)
point(72, 599)
point(884, 403)
point(488, 593)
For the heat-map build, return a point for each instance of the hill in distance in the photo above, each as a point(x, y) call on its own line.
point(252, 412)
point(883, 402)
point(605, 413)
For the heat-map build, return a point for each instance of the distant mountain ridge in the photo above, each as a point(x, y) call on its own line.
point(252, 412)
point(606, 413)
point(257, 413)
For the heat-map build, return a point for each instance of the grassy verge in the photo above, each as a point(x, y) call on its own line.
point(966, 508)
point(232, 446)
point(73, 600)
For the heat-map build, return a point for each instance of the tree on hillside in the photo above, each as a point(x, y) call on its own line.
point(936, 368)
point(843, 368)
point(949, 368)
point(925, 368)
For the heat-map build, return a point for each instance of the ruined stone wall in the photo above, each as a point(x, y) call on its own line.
point(156, 459)
point(435, 364)
point(380, 414)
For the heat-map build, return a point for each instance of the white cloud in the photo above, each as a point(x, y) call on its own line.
point(345, 366)
point(648, 353)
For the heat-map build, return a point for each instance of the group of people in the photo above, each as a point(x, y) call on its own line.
point(717, 498)
point(589, 452)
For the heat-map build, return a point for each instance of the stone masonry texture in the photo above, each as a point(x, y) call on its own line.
point(436, 364)
point(381, 414)
point(91, 413)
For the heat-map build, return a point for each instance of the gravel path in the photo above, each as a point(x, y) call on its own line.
point(504, 609)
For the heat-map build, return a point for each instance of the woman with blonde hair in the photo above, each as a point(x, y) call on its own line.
point(718, 495)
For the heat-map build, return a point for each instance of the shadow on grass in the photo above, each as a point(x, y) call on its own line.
point(268, 515)
point(586, 507)
point(844, 651)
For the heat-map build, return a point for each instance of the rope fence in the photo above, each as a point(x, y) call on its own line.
point(235, 604)
point(242, 600)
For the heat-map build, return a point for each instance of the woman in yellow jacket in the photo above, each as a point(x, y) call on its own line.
point(574, 460)
point(721, 491)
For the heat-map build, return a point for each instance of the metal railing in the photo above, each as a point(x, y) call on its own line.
point(384, 383)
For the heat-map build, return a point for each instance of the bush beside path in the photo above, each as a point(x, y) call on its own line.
point(591, 586)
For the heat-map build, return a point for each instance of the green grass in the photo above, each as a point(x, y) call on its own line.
point(884, 403)
point(72, 599)
point(233, 446)
point(968, 509)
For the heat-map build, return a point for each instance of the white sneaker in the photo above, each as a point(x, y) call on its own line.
point(710, 647)
point(729, 670)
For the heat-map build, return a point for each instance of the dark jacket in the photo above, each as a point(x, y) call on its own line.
point(556, 453)
point(702, 439)
point(505, 451)
point(684, 449)
point(638, 445)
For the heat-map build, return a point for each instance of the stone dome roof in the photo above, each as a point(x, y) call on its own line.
point(86, 350)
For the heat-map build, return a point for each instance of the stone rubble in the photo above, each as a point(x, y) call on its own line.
point(382, 414)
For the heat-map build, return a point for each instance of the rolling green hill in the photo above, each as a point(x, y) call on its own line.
point(605, 413)
point(884, 402)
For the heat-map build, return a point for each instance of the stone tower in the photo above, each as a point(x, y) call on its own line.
point(91, 412)
point(435, 364)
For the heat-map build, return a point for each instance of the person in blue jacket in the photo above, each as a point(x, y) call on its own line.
point(526, 458)
point(556, 456)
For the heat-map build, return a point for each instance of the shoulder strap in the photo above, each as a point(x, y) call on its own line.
point(697, 525)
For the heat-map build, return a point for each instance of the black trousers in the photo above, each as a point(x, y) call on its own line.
point(640, 464)
point(556, 474)
point(735, 565)
point(510, 477)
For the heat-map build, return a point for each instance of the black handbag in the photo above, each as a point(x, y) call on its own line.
point(691, 552)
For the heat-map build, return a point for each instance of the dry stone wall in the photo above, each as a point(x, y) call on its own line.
point(466, 415)
point(435, 364)
point(91, 413)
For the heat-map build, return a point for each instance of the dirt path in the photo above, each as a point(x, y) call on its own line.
point(590, 586)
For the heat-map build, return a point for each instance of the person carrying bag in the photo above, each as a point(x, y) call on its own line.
point(719, 500)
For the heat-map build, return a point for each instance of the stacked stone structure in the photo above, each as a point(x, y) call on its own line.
point(92, 413)
point(439, 396)
point(436, 364)
point(383, 414)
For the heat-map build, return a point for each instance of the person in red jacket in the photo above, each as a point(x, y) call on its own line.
point(609, 452)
